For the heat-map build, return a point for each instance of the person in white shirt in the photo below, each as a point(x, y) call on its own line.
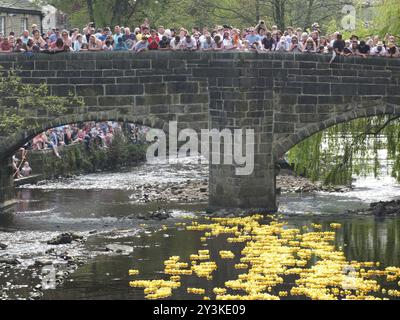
point(204, 35)
point(175, 43)
point(189, 43)
point(282, 45)
point(379, 50)
point(77, 45)
point(227, 42)
point(207, 44)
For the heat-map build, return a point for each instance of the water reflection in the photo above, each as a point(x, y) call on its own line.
point(102, 202)
point(361, 239)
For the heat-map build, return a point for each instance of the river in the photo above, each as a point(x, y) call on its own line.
point(104, 209)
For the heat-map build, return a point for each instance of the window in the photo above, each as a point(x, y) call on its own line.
point(24, 24)
point(3, 25)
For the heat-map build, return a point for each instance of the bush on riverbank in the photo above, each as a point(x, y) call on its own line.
point(79, 159)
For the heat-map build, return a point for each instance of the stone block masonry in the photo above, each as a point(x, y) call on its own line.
point(284, 97)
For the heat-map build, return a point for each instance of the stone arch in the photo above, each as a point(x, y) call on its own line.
point(284, 145)
point(10, 144)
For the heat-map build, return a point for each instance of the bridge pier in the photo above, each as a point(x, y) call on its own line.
point(284, 97)
point(7, 193)
point(255, 191)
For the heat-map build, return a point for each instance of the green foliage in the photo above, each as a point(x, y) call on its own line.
point(10, 122)
point(77, 159)
point(117, 153)
point(388, 17)
point(348, 149)
point(382, 17)
point(189, 13)
point(21, 102)
point(379, 17)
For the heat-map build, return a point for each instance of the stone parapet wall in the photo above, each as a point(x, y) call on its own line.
point(285, 98)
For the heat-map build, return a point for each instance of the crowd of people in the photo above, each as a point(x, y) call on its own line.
point(143, 38)
point(100, 134)
point(21, 167)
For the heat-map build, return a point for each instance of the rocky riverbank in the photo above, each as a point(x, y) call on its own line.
point(180, 192)
point(382, 208)
point(286, 183)
point(30, 265)
point(197, 191)
point(28, 269)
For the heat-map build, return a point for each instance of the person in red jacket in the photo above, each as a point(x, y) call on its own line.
point(153, 40)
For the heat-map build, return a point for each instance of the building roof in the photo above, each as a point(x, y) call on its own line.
point(19, 6)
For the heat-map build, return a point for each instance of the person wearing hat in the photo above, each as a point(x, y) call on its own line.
point(34, 29)
point(141, 45)
point(392, 50)
point(161, 31)
point(281, 45)
point(379, 50)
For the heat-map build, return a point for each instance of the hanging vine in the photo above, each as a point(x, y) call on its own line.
point(335, 155)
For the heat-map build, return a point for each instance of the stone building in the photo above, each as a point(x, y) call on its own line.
point(19, 15)
point(53, 18)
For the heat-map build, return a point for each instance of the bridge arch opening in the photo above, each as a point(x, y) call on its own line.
point(12, 143)
point(353, 144)
point(283, 145)
point(148, 122)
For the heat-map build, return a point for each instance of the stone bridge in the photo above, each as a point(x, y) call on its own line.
point(285, 98)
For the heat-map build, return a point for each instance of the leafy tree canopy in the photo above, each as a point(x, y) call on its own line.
point(22, 104)
point(189, 13)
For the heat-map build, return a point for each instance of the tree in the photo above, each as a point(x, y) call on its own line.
point(335, 155)
point(388, 17)
point(20, 103)
point(188, 13)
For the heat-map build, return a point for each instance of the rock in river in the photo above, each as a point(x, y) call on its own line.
point(119, 248)
point(3, 246)
point(42, 262)
point(64, 238)
point(12, 261)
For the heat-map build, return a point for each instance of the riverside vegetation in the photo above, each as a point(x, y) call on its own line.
point(27, 101)
point(78, 159)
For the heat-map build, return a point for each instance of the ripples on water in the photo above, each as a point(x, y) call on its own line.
point(101, 201)
point(180, 171)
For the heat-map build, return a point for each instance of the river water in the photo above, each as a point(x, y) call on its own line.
point(103, 207)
